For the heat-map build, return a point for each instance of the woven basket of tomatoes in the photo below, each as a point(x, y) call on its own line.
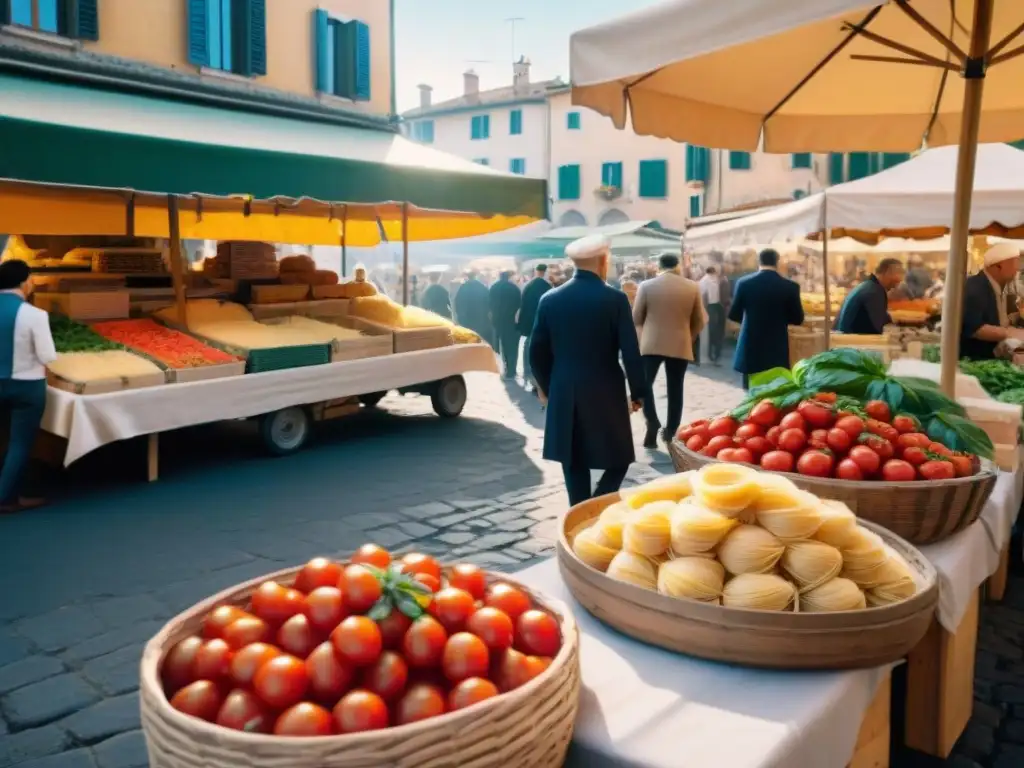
point(364, 663)
point(884, 466)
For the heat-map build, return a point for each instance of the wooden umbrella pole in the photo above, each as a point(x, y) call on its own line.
point(956, 266)
point(174, 256)
point(405, 254)
point(824, 268)
point(344, 241)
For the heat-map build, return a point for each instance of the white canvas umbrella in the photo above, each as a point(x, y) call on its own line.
point(828, 75)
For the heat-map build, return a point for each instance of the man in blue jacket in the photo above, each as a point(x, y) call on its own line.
point(532, 294)
point(473, 307)
point(506, 298)
point(766, 304)
point(582, 327)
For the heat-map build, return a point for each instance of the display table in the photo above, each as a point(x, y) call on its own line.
point(91, 421)
point(646, 707)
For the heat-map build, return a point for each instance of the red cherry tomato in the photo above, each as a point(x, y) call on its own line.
point(816, 414)
point(726, 454)
point(937, 470)
point(414, 563)
point(387, 676)
point(420, 702)
point(452, 607)
point(393, 629)
point(325, 607)
point(318, 572)
point(940, 449)
point(372, 554)
point(538, 634)
point(213, 661)
point(428, 581)
point(471, 691)
point(848, 469)
point(818, 439)
point(249, 659)
point(358, 640)
point(424, 642)
point(826, 397)
point(465, 655)
point(883, 430)
point(723, 425)
point(898, 471)
point(696, 443)
point(220, 618)
point(906, 424)
point(793, 420)
point(765, 414)
point(492, 626)
point(200, 699)
point(772, 435)
point(792, 440)
point(777, 461)
point(878, 410)
point(361, 588)
point(815, 463)
point(758, 446)
point(851, 425)
point(915, 456)
point(281, 682)
point(718, 444)
point(298, 637)
point(838, 440)
point(513, 602)
point(962, 464)
point(913, 440)
point(329, 676)
point(865, 458)
point(276, 604)
point(470, 578)
point(179, 666)
point(750, 429)
point(360, 711)
point(243, 711)
point(515, 669)
point(304, 719)
point(247, 630)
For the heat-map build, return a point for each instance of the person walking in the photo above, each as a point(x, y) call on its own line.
point(765, 304)
point(26, 348)
point(505, 301)
point(532, 294)
point(436, 298)
point(715, 304)
point(582, 328)
point(472, 307)
point(669, 314)
point(866, 308)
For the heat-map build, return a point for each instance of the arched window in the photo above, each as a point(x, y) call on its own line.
point(612, 216)
point(572, 219)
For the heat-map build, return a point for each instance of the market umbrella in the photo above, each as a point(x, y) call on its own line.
point(829, 75)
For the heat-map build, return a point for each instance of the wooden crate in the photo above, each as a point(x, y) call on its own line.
point(86, 305)
point(326, 309)
point(278, 294)
point(205, 372)
point(336, 291)
point(804, 344)
point(275, 311)
point(81, 281)
point(374, 342)
point(411, 339)
point(128, 261)
point(105, 386)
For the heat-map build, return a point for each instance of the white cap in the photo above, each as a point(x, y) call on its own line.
point(587, 247)
point(1001, 252)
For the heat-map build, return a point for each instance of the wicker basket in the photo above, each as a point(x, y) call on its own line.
point(768, 639)
point(920, 512)
point(529, 727)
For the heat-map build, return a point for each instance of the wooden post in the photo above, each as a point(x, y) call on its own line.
point(153, 457)
point(995, 587)
point(174, 248)
point(344, 240)
point(956, 265)
point(824, 268)
point(405, 254)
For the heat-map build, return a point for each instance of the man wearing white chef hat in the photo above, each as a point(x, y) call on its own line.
point(582, 328)
point(986, 321)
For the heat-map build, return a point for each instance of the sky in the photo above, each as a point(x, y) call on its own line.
point(438, 40)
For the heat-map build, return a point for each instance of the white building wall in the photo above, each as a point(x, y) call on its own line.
point(770, 177)
point(453, 134)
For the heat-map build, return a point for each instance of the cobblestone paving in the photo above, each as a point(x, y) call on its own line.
point(87, 581)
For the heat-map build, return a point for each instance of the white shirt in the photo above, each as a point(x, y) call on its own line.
point(33, 343)
point(711, 290)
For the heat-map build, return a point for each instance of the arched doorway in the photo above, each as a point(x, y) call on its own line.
point(612, 216)
point(572, 219)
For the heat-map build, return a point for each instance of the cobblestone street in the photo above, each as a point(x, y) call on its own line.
point(88, 580)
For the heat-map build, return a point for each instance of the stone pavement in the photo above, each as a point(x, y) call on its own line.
point(88, 580)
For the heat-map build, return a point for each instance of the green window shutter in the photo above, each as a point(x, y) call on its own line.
point(517, 165)
point(515, 122)
point(801, 160)
point(860, 165)
point(362, 60)
point(352, 60)
point(199, 43)
point(324, 45)
point(694, 206)
point(486, 126)
point(739, 161)
point(84, 20)
point(5, 11)
point(874, 163)
point(250, 32)
point(698, 163)
point(474, 128)
point(428, 131)
point(835, 168)
point(573, 121)
point(889, 159)
point(799, 193)
point(653, 178)
point(611, 175)
point(569, 182)
point(691, 162)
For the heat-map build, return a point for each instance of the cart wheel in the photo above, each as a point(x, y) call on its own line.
point(449, 397)
point(371, 400)
point(285, 431)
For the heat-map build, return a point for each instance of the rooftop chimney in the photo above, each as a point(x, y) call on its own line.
point(425, 93)
point(521, 73)
point(471, 83)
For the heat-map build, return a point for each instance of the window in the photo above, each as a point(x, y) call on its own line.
point(801, 160)
point(230, 35)
point(569, 182)
point(517, 165)
point(423, 131)
point(515, 122)
point(799, 193)
point(889, 159)
point(69, 18)
point(482, 161)
point(698, 163)
point(572, 121)
point(480, 127)
point(694, 206)
point(342, 57)
point(739, 161)
point(653, 178)
point(836, 170)
point(611, 175)
point(860, 165)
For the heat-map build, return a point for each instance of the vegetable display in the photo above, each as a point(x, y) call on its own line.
point(172, 348)
point(360, 647)
point(995, 376)
point(732, 536)
point(71, 336)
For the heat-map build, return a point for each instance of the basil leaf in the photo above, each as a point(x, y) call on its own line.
point(838, 380)
point(381, 609)
point(775, 388)
point(791, 399)
point(769, 377)
point(960, 434)
point(926, 397)
point(875, 390)
point(893, 395)
point(800, 370)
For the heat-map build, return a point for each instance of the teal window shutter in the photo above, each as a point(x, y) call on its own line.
point(611, 175)
point(799, 193)
point(739, 161)
point(698, 163)
point(1019, 144)
point(476, 127)
point(836, 160)
point(5, 12)
point(860, 165)
point(486, 123)
point(199, 43)
point(874, 163)
point(257, 37)
point(653, 178)
point(515, 122)
point(694, 205)
point(352, 60)
point(572, 121)
point(324, 45)
point(889, 159)
point(801, 160)
point(517, 165)
point(362, 60)
point(569, 182)
point(86, 20)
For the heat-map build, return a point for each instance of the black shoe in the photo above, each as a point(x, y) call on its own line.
point(651, 438)
point(666, 436)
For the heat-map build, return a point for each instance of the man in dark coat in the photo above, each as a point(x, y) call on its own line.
point(436, 298)
point(506, 298)
point(986, 320)
point(866, 309)
point(473, 307)
point(766, 304)
point(532, 294)
point(582, 328)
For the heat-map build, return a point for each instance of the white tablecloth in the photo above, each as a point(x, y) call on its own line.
point(645, 707)
point(91, 421)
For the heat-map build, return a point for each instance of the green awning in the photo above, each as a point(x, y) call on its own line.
point(63, 134)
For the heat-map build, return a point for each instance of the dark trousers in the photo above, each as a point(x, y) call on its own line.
point(578, 484)
point(25, 401)
point(527, 370)
point(675, 371)
point(506, 340)
point(716, 331)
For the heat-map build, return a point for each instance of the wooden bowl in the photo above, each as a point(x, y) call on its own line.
point(920, 512)
point(770, 639)
point(529, 726)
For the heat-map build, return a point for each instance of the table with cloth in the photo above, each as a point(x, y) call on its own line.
point(650, 708)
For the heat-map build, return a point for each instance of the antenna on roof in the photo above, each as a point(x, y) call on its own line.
point(513, 21)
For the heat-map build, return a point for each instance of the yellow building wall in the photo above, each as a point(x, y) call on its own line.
point(154, 32)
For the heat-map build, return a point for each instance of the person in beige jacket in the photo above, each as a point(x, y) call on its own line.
point(670, 315)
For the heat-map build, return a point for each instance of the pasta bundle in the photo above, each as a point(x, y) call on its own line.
point(894, 582)
point(837, 523)
point(695, 529)
point(834, 595)
point(790, 516)
point(760, 591)
point(592, 551)
point(694, 577)
point(647, 530)
point(633, 569)
point(726, 488)
point(669, 488)
point(749, 549)
point(811, 563)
